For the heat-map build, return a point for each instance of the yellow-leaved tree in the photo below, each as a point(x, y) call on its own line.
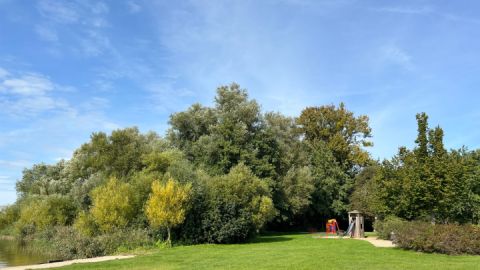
point(167, 205)
point(112, 205)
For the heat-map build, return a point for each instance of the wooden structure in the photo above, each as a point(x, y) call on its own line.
point(356, 218)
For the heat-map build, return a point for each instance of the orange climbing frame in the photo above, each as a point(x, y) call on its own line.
point(332, 227)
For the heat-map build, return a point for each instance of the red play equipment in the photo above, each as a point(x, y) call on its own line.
point(332, 226)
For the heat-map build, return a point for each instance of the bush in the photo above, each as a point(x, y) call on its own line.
point(441, 238)
point(70, 244)
point(64, 242)
point(426, 237)
point(8, 216)
point(85, 224)
point(388, 227)
point(238, 205)
point(46, 211)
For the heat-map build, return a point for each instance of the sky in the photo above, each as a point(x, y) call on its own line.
point(70, 68)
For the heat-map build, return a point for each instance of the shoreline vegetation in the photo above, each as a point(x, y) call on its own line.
point(222, 174)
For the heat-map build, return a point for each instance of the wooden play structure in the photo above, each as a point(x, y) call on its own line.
point(356, 229)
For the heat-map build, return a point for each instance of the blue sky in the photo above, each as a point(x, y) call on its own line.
point(69, 68)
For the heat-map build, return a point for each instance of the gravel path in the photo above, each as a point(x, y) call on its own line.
point(372, 239)
point(378, 242)
point(65, 263)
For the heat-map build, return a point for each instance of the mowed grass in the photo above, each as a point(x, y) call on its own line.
point(289, 251)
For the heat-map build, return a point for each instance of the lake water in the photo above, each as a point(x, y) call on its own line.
point(11, 254)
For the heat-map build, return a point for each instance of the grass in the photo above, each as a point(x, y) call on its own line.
point(289, 251)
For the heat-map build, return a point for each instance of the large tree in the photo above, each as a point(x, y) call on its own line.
point(344, 134)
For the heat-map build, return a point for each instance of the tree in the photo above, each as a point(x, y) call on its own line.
point(239, 205)
point(118, 154)
point(42, 212)
point(112, 205)
point(167, 205)
point(343, 133)
point(43, 179)
point(219, 138)
point(297, 187)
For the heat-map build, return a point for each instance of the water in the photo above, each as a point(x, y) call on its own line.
point(11, 254)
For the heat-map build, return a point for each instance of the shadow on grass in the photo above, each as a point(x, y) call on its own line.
point(273, 237)
point(270, 239)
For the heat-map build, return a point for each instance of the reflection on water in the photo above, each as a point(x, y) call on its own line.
point(12, 254)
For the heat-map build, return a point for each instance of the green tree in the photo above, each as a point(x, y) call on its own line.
point(297, 187)
point(239, 205)
point(344, 134)
point(42, 212)
point(43, 179)
point(167, 205)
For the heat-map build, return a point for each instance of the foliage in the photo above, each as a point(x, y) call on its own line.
point(44, 179)
point(297, 187)
point(332, 184)
point(118, 155)
point(388, 227)
point(239, 204)
point(8, 216)
point(344, 134)
point(167, 204)
point(243, 170)
point(428, 183)
point(450, 239)
point(41, 212)
point(85, 224)
point(112, 205)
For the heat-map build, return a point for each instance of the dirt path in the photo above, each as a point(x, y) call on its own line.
point(373, 240)
point(65, 263)
point(378, 242)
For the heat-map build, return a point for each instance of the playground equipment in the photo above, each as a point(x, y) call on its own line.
point(332, 227)
point(356, 228)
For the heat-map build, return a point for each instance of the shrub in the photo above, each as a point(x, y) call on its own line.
point(441, 238)
point(46, 211)
point(421, 236)
point(388, 227)
point(70, 244)
point(85, 224)
point(8, 216)
point(64, 242)
point(238, 205)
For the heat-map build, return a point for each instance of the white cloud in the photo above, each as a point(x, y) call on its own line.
point(30, 94)
point(27, 85)
point(82, 21)
point(3, 73)
point(99, 8)
point(405, 10)
point(133, 7)
point(426, 10)
point(59, 11)
point(393, 54)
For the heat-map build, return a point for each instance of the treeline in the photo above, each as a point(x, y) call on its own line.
point(427, 183)
point(223, 173)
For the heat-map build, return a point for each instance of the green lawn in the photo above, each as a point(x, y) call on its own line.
point(289, 251)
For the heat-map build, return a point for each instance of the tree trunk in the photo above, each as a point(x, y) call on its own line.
point(169, 242)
